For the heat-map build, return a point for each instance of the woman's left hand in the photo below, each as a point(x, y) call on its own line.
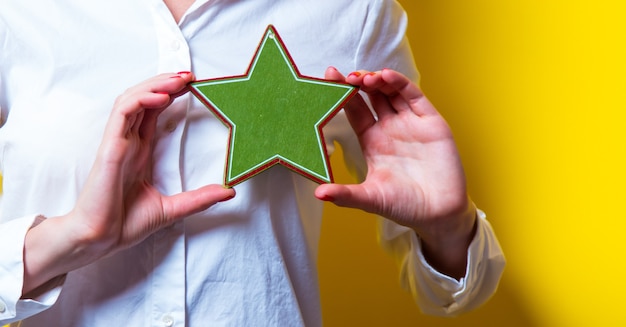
point(415, 176)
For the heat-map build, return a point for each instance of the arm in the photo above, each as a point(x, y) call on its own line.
point(415, 179)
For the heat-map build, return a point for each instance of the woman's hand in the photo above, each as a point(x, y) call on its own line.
point(118, 206)
point(414, 176)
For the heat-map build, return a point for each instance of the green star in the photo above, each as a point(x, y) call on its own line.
point(275, 115)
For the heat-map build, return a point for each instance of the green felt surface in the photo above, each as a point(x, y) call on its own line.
point(275, 115)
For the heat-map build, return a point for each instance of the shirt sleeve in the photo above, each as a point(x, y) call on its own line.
point(384, 44)
point(12, 235)
point(434, 292)
point(12, 308)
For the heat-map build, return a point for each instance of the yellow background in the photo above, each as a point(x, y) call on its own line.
point(534, 91)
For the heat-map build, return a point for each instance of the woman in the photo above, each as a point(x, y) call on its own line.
point(138, 231)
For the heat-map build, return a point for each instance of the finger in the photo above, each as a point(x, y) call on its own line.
point(358, 78)
point(358, 112)
point(184, 204)
point(137, 122)
point(404, 94)
point(399, 92)
point(359, 115)
point(351, 196)
point(185, 79)
point(155, 93)
point(381, 105)
point(372, 83)
point(171, 84)
point(333, 74)
point(127, 111)
point(148, 126)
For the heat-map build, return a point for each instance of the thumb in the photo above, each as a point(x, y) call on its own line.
point(186, 203)
point(350, 195)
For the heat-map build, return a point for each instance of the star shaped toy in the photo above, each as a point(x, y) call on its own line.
point(275, 115)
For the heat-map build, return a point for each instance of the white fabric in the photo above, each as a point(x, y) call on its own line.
point(250, 261)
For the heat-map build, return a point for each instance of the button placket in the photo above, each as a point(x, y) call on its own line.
point(173, 49)
point(168, 276)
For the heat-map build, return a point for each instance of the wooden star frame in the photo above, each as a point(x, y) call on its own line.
point(274, 114)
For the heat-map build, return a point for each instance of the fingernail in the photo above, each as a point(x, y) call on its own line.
point(228, 198)
point(371, 73)
point(176, 76)
point(355, 74)
point(327, 198)
point(184, 72)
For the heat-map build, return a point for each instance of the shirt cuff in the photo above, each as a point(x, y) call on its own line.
point(12, 308)
point(436, 293)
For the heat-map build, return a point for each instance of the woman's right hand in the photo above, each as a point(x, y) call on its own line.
point(118, 206)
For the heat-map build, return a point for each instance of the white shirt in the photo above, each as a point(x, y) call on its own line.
point(250, 261)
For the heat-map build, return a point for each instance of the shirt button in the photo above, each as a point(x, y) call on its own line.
point(174, 45)
point(3, 307)
point(168, 321)
point(170, 126)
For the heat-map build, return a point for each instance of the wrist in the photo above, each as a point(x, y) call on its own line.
point(445, 243)
point(50, 251)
